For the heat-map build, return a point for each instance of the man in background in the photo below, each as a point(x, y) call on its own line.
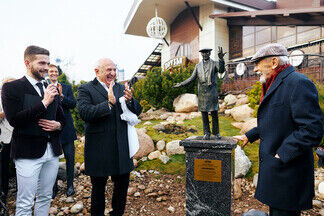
point(106, 151)
point(68, 134)
point(36, 114)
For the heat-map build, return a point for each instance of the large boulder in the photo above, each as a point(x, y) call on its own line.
point(248, 125)
point(146, 144)
point(242, 113)
point(174, 147)
point(230, 99)
point(186, 103)
point(242, 163)
point(242, 101)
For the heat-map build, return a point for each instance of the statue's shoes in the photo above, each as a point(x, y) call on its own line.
point(206, 137)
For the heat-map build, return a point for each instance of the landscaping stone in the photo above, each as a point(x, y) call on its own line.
point(242, 101)
point(321, 190)
point(146, 144)
point(154, 155)
point(230, 99)
point(159, 127)
point(255, 180)
point(173, 148)
point(186, 103)
point(237, 189)
point(254, 212)
point(164, 159)
point(248, 125)
point(160, 145)
point(148, 123)
point(242, 113)
point(77, 208)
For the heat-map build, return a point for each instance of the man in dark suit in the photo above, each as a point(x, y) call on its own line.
point(290, 124)
point(68, 134)
point(36, 114)
point(106, 142)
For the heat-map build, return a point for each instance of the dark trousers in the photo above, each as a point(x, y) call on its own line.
point(119, 196)
point(215, 126)
point(69, 155)
point(279, 212)
point(4, 160)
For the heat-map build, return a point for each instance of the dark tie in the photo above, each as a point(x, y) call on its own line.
point(40, 86)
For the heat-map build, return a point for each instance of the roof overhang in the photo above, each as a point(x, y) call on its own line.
point(276, 17)
point(143, 10)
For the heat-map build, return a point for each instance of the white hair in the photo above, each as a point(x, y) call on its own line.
point(99, 62)
point(283, 60)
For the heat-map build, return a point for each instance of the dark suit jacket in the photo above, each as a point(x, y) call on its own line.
point(23, 108)
point(68, 133)
point(106, 144)
point(290, 124)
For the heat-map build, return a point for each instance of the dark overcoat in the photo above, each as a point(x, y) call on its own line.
point(106, 143)
point(23, 108)
point(290, 124)
point(206, 73)
point(68, 134)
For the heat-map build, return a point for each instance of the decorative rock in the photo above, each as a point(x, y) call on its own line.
point(164, 159)
point(242, 163)
point(173, 148)
point(154, 194)
point(148, 123)
point(53, 210)
point(154, 155)
point(230, 100)
point(186, 103)
point(321, 212)
point(77, 208)
point(242, 113)
point(135, 162)
point(137, 194)
point(171, 209)
point(321, 190)
point(195, 115)
point(148, 190)
point(248, 125)
point(237, 190)
point(228, 112)
point(69, 200)
point(242, 101)
point(160, 145)
point(82, 167)
point(254, 212)
point(146, 144)
point(142, 187)
point(255, 180)
point(131, 190)
point(159, 127)
point(317, 203)
point(237, 124)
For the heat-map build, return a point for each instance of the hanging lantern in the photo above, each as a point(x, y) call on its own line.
point(157, 27)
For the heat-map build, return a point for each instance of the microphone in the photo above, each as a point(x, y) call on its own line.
point(47, 79)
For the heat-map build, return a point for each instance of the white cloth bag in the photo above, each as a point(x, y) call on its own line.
point(131, 120)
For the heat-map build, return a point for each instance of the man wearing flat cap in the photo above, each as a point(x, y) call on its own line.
point(206, 73)
point(290, 124)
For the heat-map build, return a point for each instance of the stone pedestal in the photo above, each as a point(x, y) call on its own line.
point(208, 176)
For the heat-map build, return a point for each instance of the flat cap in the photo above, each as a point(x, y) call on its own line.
point(269, 50)
point(205, 49)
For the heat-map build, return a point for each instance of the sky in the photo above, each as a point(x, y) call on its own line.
point(79, 32)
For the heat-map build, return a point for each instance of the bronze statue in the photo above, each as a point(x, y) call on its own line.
point(206, 72)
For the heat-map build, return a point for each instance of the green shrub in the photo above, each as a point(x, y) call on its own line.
point(254, 96)
point(77, 121)
point(157, 88)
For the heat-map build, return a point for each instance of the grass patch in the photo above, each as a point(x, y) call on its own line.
point(175, 166)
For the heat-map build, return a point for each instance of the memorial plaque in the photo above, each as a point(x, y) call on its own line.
point(208, 170)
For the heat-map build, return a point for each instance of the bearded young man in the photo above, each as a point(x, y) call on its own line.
point(290, 124)
point(68, 134)
point(35, 112)
point(106, 151)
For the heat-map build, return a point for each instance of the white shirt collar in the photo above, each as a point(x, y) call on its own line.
point(32, 80)
point(104, 84)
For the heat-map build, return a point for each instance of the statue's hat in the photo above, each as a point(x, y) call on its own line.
point(205, 49)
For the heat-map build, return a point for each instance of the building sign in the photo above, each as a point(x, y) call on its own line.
point(176, 61)
point(208, 170)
